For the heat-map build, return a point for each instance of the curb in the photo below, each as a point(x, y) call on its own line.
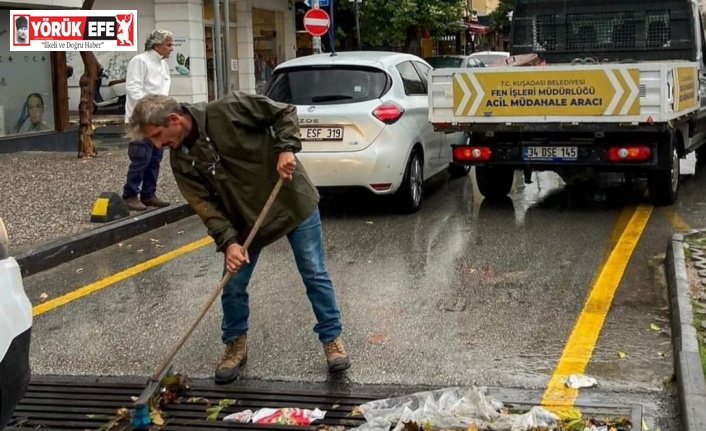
point(687, 361)
point(54, 253)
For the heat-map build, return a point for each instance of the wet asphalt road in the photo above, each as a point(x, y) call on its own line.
point(463, 292)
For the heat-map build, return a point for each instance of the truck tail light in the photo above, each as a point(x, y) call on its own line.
point(632, 153)
point(388, 113)
point(468, 153)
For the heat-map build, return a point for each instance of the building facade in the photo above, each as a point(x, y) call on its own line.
point(28, 100)
point(262, 34)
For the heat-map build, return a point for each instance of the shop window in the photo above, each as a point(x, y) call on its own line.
point(268, 38)
point(26, 93)
point(208, 11)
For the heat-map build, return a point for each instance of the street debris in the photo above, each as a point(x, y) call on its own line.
point(622, 355)
point(43, 297)
point(80, 270)
point(655, 327)
point(214, 411)
point(121, 415)
point(471, 409)
point(377, 338)
point(576, 381)
point(283, 416)
point(451, 408)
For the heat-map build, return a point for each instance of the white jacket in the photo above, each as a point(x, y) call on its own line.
point(147, 73)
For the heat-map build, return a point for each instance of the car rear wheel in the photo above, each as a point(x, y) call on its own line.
point(494, 182)
point(409, 195)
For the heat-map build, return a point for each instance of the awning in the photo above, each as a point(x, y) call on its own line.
point(477, 28)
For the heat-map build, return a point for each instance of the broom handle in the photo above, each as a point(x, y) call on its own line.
point(211, 299)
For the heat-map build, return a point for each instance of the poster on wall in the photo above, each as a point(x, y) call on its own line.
point(26, 94)
point(179, 60)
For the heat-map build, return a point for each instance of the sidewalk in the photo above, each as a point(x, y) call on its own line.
point(45, 196)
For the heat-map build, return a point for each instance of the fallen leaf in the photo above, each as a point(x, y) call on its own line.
point(377, 338)
point(156, 417)
point(154, 240)
point(212, 413)
point(622, 355)
point(356, 411)
point(196, 399)
point(180, 232)
point(655, 327)
point(79, 270)
point(644, 425)
point(335, 406)
point(661, 354)
point(369, 222)
point(226, 403)
point(43, 297)
point(133, 398)
point(120, 244)
point(158, 246)
point(140, 250)
point(472, 427)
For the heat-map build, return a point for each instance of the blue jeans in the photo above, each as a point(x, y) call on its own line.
point(143, 172)
point(308, 248)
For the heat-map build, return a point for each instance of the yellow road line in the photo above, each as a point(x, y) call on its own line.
point(115, 278)
point(583, 338)
point(675, 219)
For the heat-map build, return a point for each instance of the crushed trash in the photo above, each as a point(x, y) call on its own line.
point(283, 416)
point(451, 408)
point(240, 417)
point(576, 381)
point(622, 355)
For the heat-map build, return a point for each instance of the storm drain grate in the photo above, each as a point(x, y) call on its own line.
point(58, 404)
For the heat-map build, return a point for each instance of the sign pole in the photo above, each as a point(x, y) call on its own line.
point(316, 40)
point(357, 24)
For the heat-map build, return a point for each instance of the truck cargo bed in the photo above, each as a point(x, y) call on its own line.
point(606, 93)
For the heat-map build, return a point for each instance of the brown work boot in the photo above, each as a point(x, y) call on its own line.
point(134, 204)
point(234, 358)
point(336, 356)
point(154, 201)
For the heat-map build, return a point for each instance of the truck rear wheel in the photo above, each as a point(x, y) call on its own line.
point(494, 182)
point(663, 184)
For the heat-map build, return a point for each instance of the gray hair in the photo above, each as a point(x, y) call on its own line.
point(157, 37)
point(151, 110)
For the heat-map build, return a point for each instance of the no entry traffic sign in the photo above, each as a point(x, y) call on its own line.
point(316, 22)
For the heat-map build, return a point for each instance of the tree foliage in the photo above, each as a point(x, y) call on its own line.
point(499, 17)
point(393, 23)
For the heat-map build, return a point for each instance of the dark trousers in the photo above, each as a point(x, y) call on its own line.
point(144, 169)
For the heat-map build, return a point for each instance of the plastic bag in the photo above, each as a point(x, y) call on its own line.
point(287, 416)
point(450, 408)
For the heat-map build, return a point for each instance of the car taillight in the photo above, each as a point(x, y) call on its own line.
point(636, 153)
point(467, 153)
point(388, 113)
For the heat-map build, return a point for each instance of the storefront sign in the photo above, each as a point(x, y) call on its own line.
point(179, 62)
point(73, 30)
point(608, 90)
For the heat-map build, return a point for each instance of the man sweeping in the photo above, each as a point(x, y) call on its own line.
point(226, 157)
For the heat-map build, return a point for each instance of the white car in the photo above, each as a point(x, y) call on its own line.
point(364, 120)
point(15, 332)
point(490, 57)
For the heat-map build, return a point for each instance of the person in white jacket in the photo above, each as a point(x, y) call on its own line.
point(147, 73)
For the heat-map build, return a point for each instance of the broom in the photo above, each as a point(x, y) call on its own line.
point(141, 412)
